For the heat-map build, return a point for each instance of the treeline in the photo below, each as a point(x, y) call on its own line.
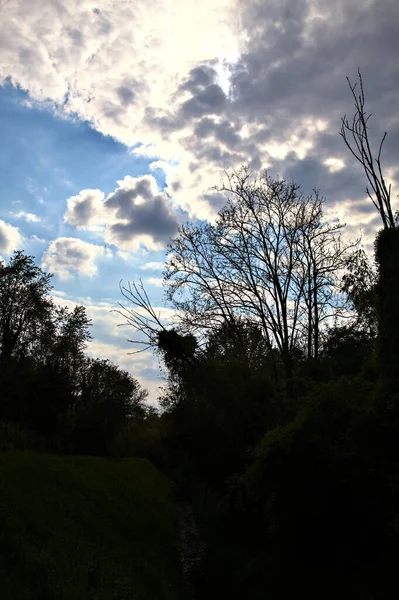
point(52, 395)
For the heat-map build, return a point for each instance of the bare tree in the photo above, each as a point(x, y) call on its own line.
point(355, 134)
point(323, 256)
point(269, 257)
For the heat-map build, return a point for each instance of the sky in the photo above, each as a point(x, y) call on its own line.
point(119, 117)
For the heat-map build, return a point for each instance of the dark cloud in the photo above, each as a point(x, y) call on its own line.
point(207, 98)
point(112, 111)
point(224, 132)
point(83, 211)
point(136, 208)
point(126, 95)
point(289, 88)
point(292, 68)
point(76, 36)
point(65, 256)
point(128, 90)
point(216, 199)
point(140, 210)
point(163, 120)
point(209, 101)
point(310, 172)
point(199, 78)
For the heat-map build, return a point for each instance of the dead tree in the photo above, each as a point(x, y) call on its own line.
point(355, 134)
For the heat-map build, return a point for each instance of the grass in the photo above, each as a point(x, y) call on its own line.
point(85, 528)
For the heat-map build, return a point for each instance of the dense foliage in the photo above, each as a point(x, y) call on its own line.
point(49, 388)
point(280, 417)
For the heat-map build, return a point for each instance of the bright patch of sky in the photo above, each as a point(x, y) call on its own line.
point(118, 118)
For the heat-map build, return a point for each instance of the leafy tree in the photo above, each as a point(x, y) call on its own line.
point(218, 402)
point(359, 284)
point(108, 399)
point(315, 495)
point(48, 384)
point(25, 306)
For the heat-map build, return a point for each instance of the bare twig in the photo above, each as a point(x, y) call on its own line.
point(356, 137)
point(141, 316)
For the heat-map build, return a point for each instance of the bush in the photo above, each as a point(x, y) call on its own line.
point(15, 437)
point(319, 498)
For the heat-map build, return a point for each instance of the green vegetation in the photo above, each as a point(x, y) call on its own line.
point(85, 528)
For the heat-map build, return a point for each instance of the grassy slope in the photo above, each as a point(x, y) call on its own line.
point(85, 528)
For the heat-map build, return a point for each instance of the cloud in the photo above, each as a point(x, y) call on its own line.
point(156, 281)
point(86, 209)
point(142, 215)
point(78, 61)
point(29, 217)
point(37, 239)
point(135, 214)
point(66, 256)
point(10, 237)
point(215, 85)
point(152, 266)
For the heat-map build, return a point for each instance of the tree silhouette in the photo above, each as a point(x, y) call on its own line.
point(269, 257)
point(355, 134)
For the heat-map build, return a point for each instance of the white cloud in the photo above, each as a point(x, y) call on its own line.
point(59, 294)
point(86, 209)
point(10, 237)
point(156, 281)
point(29, 217)
point(152, 266)
point(66, 256)
point(334, 164)
point(79, 59)
point(37, 239)
point(124, 255)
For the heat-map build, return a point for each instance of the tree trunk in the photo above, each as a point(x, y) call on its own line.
point(316, 318)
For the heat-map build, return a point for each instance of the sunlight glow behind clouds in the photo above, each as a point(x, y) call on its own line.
point(201, 86)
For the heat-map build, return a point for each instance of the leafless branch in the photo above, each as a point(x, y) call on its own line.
point(356, 137)
point(140, 315)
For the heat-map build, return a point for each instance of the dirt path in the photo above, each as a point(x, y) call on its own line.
point(191, 550)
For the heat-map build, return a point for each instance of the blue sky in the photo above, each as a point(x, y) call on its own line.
point(118, 119)
point(45, 159)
